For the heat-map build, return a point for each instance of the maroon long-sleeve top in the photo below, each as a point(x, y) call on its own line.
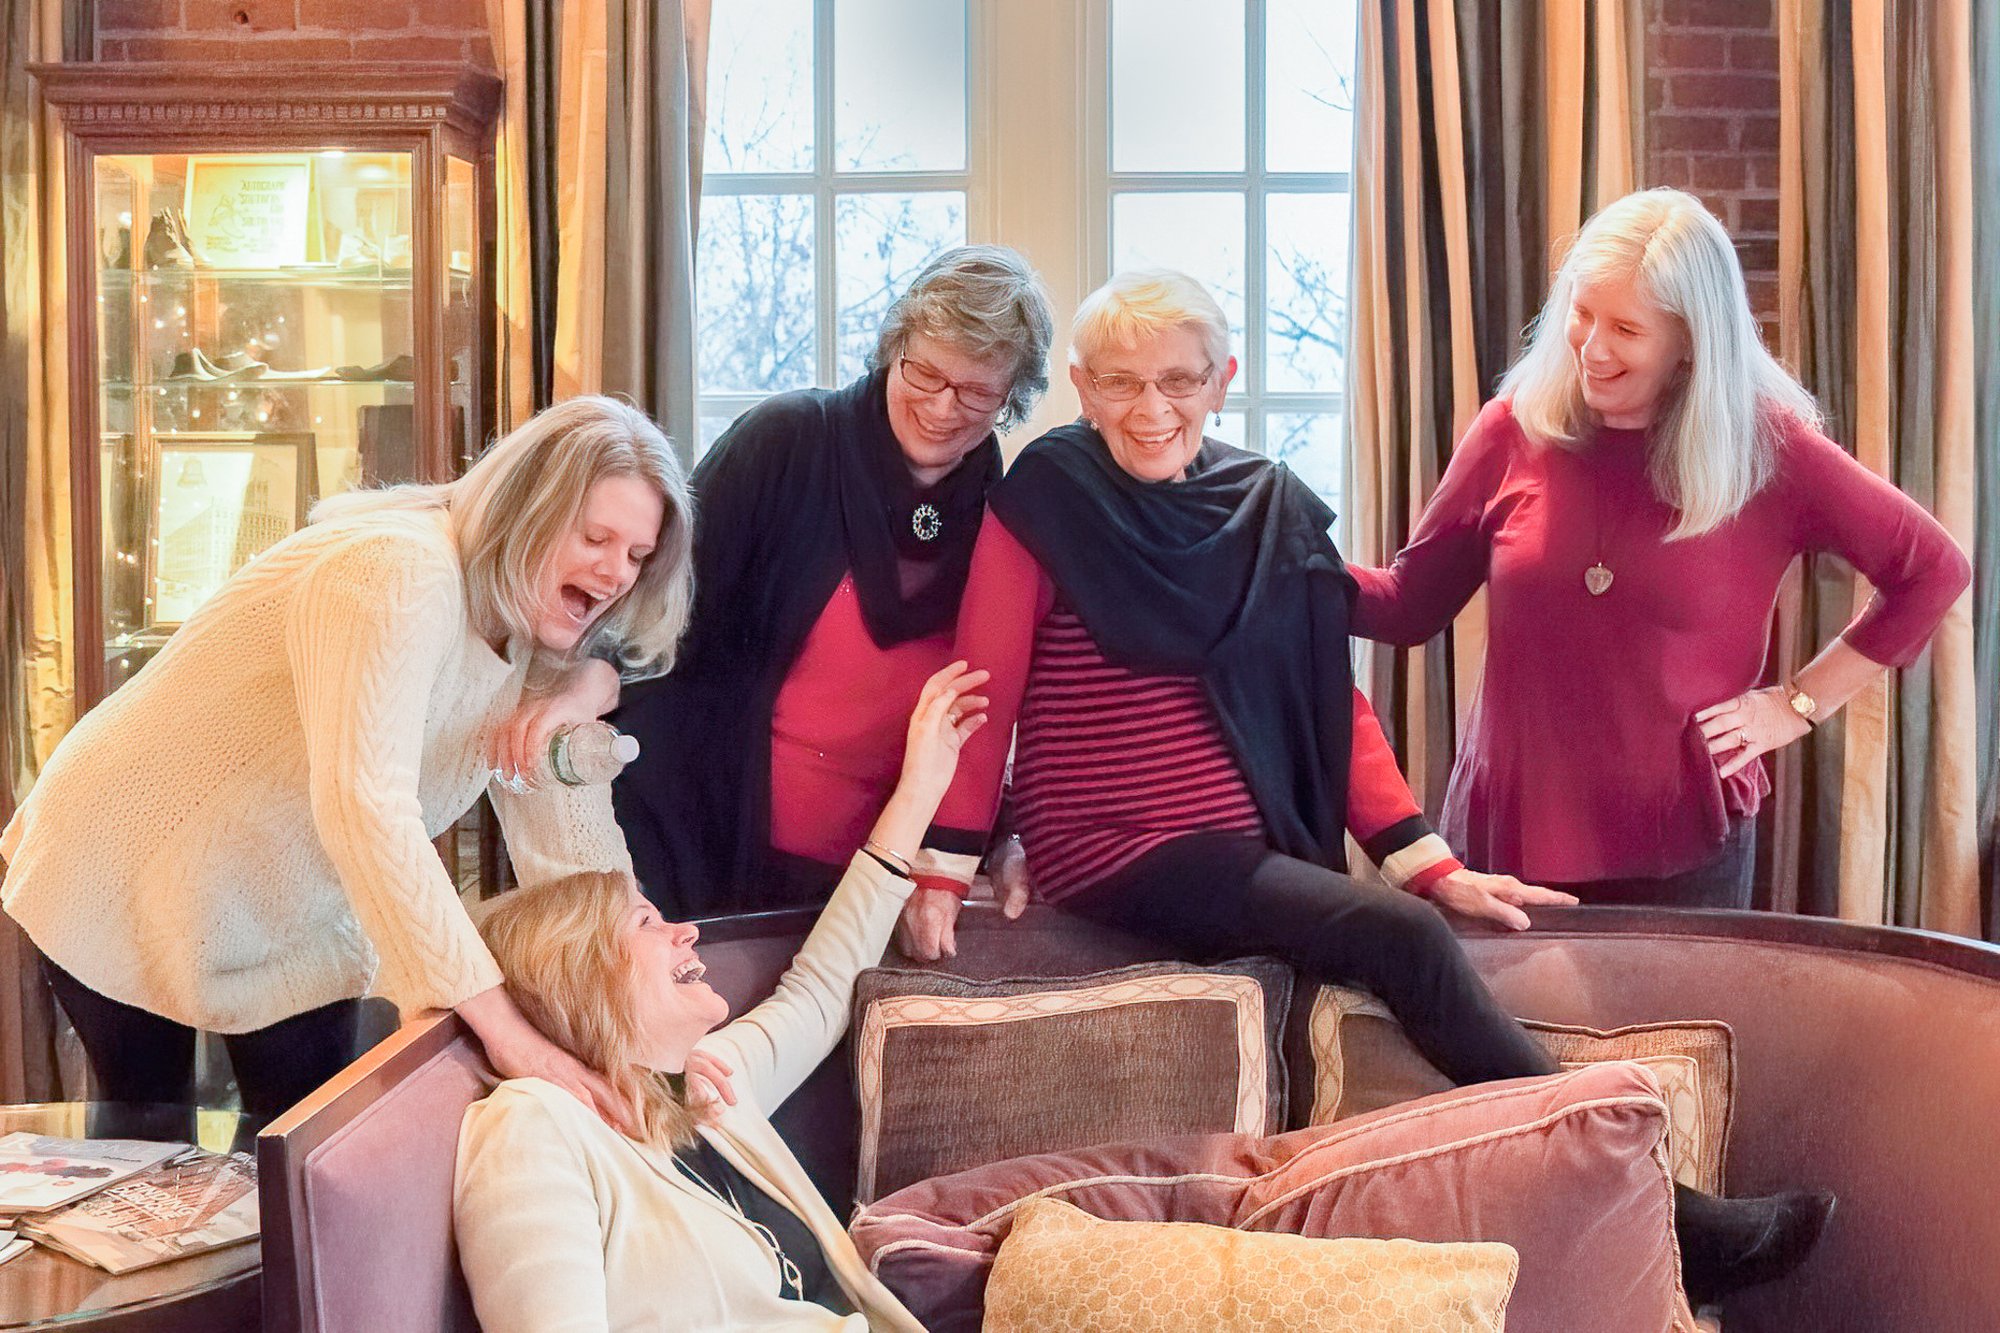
point(1581, 759)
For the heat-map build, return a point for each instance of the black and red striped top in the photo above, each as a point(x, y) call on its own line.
point(1110, 763)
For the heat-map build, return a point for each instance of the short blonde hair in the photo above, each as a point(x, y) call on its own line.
point(1716, 437)
point(560, 945)
point(1142, 303)
point(526, 493)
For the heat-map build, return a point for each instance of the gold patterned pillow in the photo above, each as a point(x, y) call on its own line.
point(1062, 1268)
point(1362, 1061)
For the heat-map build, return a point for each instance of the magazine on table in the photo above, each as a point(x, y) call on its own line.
point(196, 1202)
point(38, 1173)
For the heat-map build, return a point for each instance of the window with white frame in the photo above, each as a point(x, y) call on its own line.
point(849, 140)
point(1227, 151)
point(836, 164)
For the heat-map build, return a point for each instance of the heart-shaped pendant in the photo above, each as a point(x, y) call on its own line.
point(1597, 578)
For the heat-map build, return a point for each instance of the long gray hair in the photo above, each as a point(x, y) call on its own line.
point(1718, 429)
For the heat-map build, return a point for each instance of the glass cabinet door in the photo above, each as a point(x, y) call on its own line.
point(256, 353)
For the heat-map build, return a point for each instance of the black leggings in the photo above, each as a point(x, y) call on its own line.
point(136, 1056)
point(1215, 895)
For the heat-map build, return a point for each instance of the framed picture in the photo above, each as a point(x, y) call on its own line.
point(250, 210)
point(216, 499)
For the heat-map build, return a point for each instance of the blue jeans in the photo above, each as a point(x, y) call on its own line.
point(1724, 880)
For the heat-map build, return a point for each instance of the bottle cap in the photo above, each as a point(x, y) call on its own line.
point(625, 748)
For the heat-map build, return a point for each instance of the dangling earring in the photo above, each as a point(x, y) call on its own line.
point(1218, 416)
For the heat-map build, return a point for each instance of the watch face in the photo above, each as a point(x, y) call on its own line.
point(1802, 704)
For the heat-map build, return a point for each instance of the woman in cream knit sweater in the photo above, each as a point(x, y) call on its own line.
point(565, 1225)
point(239, 840)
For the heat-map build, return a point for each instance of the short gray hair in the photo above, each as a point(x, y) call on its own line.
point(1141, 303)
point(987, 302)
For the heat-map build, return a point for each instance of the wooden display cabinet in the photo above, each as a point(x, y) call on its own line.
point(280, 279)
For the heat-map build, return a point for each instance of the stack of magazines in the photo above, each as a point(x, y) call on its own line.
point(122, 1204)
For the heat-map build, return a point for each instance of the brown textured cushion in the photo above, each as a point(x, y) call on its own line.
point(1361, 1061)
point(944, 1065)
point(1061, 1268)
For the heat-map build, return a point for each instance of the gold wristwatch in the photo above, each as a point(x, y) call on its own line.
point(1802, 703)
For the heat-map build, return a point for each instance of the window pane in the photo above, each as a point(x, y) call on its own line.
point(1199, 234)
point(711, 427)
point(899, 85)
point(1314, 446)
point(881, 242)
point(754, 293)
point(760, 87)
point(1235, 429)
point(1309, 85)
point(1177, 85)
point(1305, 274)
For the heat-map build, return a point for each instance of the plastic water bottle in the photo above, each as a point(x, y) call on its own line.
point(589, 753)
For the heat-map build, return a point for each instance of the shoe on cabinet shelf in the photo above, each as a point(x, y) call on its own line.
point(167, 243)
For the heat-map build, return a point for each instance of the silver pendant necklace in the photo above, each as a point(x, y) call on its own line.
point(1597, 579)
point(788, 1271)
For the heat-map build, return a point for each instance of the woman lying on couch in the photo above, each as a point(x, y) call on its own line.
point(564, 1222)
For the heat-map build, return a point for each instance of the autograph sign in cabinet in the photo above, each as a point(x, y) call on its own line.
point(288, 274)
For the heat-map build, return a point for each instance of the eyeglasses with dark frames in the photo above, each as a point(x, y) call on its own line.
point(927, 379)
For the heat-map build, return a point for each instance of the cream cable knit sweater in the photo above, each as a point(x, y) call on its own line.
point(242, 833)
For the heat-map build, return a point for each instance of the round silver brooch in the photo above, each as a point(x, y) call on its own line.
point(926, 522)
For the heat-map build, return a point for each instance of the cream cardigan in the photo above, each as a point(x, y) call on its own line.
point(566, 1226)
point(242, 832)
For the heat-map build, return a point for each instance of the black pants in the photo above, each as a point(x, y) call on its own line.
point(1215, 895)
point(140, 1057)
point(1724, 880)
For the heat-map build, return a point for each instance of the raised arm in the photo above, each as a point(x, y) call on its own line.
point(1431, 579)
point(774, 1046)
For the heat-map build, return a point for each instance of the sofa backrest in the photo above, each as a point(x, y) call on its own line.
point(354, 1186)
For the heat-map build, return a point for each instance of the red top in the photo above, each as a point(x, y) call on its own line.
point(838, 730)
point(1581, 759)
point(1111, 763)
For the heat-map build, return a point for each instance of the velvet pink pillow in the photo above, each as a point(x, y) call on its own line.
point(1570, 1170)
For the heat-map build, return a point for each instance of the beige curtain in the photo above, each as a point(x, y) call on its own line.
point(37, 703)
point(601, 188)
point(1483, 140)
point(1877, 816)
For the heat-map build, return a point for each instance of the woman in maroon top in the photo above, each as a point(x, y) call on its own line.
point(1167, 618)
point(1630, 501)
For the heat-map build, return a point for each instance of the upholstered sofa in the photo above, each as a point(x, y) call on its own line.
point(1865, 1060)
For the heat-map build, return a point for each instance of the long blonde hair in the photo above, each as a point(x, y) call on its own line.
point(1716, 436)
point(560, 947)
point(525, 494)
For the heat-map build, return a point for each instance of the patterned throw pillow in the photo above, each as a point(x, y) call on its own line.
point(943, 1064)
point(1361, 1061)
point(1062, 1268)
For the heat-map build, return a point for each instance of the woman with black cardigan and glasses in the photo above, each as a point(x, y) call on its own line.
point(833, 533)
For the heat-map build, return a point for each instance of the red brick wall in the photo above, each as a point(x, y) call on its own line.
point(1712, 123)
point(234, 30)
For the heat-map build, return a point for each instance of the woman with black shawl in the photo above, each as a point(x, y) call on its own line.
point(1167, 619)
point(833, 533)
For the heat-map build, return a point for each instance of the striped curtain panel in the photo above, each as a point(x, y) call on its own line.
point(1877, 819)
point(37, 691)
point(600, 186)
point(1483, 140)
point(1986, 439)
